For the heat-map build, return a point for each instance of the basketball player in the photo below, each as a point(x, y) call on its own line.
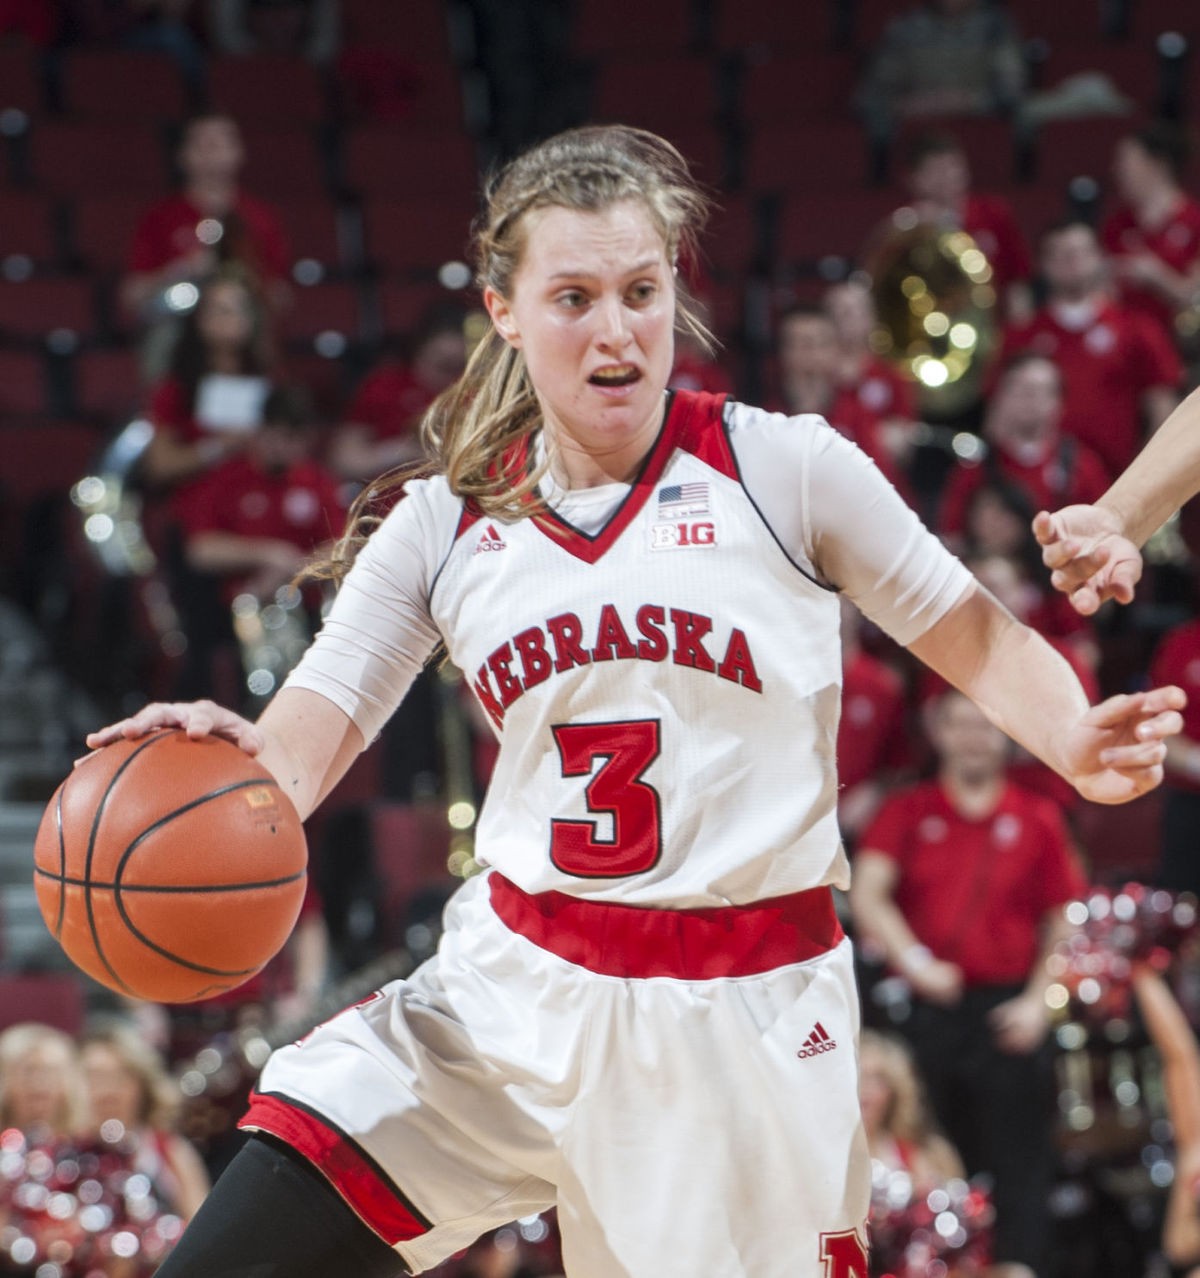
point(1093, 551)
point(644, 1010)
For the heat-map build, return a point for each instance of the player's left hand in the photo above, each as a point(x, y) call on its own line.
point(1019, 1024)
point(1115, 751)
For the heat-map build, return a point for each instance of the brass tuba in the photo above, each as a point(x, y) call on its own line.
point(936, 303)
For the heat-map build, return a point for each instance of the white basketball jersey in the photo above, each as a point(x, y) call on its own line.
point(666, 692)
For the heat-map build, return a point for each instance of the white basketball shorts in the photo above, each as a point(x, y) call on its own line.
point(564, 1052)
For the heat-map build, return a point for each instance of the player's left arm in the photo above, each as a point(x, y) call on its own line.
point(1110, 753)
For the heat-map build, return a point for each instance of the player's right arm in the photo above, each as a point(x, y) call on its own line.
point(1093, 551)
point(303, 740)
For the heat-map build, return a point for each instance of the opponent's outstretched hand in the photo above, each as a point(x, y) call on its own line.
point(1089, 558)
point(196, 718)
point(1115, 751)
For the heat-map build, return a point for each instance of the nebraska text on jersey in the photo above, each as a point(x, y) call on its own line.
point(653, 633)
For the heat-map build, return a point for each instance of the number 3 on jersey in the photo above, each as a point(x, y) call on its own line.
point(627, 750)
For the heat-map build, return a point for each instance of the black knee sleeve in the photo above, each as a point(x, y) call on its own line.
point(272, 1215)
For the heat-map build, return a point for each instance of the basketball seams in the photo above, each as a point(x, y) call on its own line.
point(182, 889)
point(62, 864)
point(87, 865)
point(165, 819)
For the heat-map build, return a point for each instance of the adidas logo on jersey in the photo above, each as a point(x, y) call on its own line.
point(489, 540)
point(816, 1043)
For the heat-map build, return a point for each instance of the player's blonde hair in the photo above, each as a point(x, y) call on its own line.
point(474, 430)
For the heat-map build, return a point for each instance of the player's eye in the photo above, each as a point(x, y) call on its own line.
point(572, 299)
point(643, 292)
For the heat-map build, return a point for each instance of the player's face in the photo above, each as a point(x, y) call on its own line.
point(593, 311)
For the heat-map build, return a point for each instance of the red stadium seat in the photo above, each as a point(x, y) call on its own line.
point(1065, 149)
point(419, 27)
point(44, 457)
point(329, 307)
point(381, 83)
point(1121, 842)
point(102, 229)
point(410, 162)
point(263, 89)
point(1037, 206)
point(402, 306)
point(814, 157)
point(656, 93)
point(415, 235)
point(80, 158)
point(312, 230)
point(607, 26)
point(283, 162)
point(37, 310)
point(1150, 18)
point(108, 384)
point(54, 999)
point(1060, 20)
point(1133, 67)
point(730, 240)
point(799, 86)
point(27, 227)
point(751, 24)
point(121, 84)
point(814, 226)
point(410, 843)
point(871, 20)
point(23, 388)
point(705, 149)
point(20, 80)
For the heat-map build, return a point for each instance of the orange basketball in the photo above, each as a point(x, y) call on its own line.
point(170, 869)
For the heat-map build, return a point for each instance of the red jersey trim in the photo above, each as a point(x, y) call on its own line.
point(354, 1175)
point(693, 424)
point(688, 945)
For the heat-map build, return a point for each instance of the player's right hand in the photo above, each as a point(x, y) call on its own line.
point(1089, 557)
point(196, 718)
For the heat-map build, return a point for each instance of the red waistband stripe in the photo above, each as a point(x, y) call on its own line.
point(351, 1172)
point(689, 945)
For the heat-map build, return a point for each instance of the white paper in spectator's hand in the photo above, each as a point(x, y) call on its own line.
point(227, 402)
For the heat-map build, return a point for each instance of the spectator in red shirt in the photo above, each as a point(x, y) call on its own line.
point(872, 745)
point(211, 399)
point(182, 239)
point(959, 883)
point(938, 176)
point(808, 377)
point(880, 387)
point(256, 518)
point(381, 427)
point(1154, 233)
point(1021, 424)
point(1121, 375)
point(1179, 655)
point(33, 21)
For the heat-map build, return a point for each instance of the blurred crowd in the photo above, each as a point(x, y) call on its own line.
point(991, 365)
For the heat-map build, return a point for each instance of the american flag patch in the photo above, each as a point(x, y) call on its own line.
point(682, 499)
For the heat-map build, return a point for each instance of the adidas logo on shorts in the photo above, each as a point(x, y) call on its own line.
point(816, 1043)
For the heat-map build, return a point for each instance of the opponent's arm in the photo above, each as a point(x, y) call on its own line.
point(1093, 550)
point(1111, 752)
